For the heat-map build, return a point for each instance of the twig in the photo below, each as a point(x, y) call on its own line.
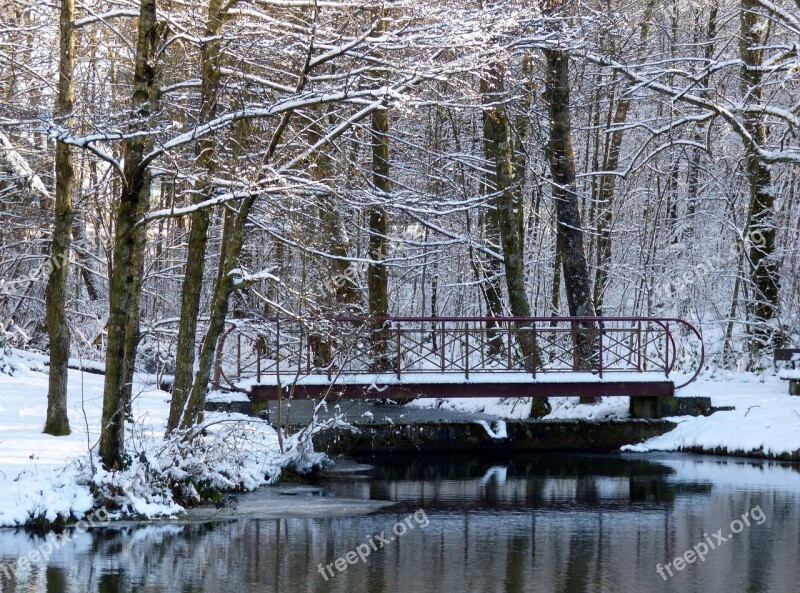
point(86, 421)
point(751, 407)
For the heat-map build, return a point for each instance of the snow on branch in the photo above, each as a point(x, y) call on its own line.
point(111, 14)
point(788, 155)
point(290, 104)
point(14, 168)
point(209, 203)
point(790, 20)
point(242, 278)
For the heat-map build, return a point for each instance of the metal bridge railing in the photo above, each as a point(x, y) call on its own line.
point(457, 346)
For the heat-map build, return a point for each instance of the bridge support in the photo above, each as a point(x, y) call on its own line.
point(664, 407)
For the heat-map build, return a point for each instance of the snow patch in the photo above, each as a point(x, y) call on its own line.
point(766, 419)
point(497, 431)
point(46, 477)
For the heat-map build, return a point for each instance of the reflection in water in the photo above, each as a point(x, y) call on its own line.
point(568, 524)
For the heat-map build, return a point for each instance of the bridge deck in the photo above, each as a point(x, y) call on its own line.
point(413, 385)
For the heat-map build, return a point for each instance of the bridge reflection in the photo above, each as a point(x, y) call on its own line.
point(524, 482)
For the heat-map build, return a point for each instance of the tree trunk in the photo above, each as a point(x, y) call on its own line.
point(341, 285)
point(232, 237)
point(491, 275)
point(57, 422)
point(508, 209)
point(377, 278)
point(132, 332)
point(124, 279)
point(562, 168)
point(198, 234)
point(555, 291)
point(764, 272)
point(492, 290)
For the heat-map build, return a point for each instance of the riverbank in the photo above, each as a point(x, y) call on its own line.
point(764, 424)
point(45, 480)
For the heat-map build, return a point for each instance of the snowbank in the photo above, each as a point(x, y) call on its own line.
point(766, 421)
point(50, 478)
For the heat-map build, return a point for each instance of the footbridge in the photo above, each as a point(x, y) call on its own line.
point(448, 357)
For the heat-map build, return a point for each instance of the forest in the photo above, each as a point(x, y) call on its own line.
point(169, 167)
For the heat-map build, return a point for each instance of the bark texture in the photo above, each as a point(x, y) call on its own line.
point(125, 277)
point(57, 422)
point(764, 271)
point(377, 278)
point(562, 168)
point(198, 234)
point(493, 273)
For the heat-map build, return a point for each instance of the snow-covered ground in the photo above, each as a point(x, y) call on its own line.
point(46, 477)
point(766, 418)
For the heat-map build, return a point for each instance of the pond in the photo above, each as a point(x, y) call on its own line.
point(545, 522)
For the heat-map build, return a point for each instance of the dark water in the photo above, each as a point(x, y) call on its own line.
point(560, 523)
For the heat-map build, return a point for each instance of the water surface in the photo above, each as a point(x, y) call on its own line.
point(543, 522)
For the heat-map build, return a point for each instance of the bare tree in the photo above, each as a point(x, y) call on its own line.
point(198, 235)
point(126, 274)
point(57, 422)
point(764, 271)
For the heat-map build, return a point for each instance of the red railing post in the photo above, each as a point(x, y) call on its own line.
point(258, 362)
point(329, 362)
point(533, 354)
point(639, 346)
point(239, 355)
point(441, 346)
point(600, 351)
point(483, 343)
point(509, 364)
point(574, 332)
point(397, 362)
point(466, 349)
